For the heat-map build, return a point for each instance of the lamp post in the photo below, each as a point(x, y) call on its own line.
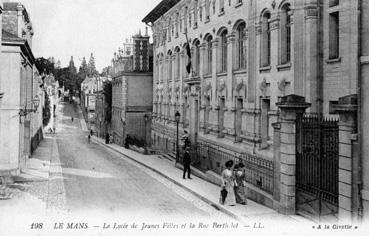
point(145, 119)
point(177, 115)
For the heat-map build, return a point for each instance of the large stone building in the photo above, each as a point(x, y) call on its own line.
point(18, 69)
point(247, 56)
point(132, 92)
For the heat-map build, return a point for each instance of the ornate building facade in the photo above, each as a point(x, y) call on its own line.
point(132, 90)
point(246, 56)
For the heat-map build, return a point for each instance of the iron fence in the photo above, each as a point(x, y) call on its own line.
point(259, 171)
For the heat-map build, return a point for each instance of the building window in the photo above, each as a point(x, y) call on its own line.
point(178, 66)
point(221, 6)
point(265, 40)
point(195, 13)
point(285, 35)
point(241, 46)
point(223, 51)
point(333, 3)
point(200, 13)
point(209, 56)
point(196, 58)
point(185, 20)
point(169, 30)
point(207, 10)
point(169, 60)
point(333, 35)
point(185, 62)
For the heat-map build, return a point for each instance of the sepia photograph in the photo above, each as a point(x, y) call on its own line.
point(184, 117)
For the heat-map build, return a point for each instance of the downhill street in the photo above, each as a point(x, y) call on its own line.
point(96, 179)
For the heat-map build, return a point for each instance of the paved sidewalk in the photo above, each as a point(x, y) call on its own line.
point(208, 192)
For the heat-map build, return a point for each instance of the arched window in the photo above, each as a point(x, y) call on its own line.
point(209, 55)
point(265, 40)
point(196, 57)
point(285, 34)
point(223, 51)
point(241, 46)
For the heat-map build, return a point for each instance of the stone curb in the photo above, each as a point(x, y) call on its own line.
point(206, 200)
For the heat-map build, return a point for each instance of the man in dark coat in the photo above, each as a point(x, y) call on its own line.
point(187, 164)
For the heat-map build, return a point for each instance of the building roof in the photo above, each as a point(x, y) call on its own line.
point(159, 10)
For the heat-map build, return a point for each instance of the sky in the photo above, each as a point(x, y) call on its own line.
point(65, 28)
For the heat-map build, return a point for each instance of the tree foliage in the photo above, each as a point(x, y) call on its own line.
point(108, 93)
point(91, 66)
point(46, 114)
point(46, 66)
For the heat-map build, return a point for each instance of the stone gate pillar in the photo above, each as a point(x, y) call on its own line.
point(348, 160)
point(291, 107)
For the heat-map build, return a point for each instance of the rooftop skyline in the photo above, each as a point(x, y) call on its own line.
point(65, 28)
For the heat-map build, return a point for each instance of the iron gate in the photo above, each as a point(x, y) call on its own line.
point(317, 166)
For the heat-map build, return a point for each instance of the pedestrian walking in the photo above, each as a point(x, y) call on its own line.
point(89, 138)
point(227, 196)
point(72, 118)
point(110, 138)
point(127, 141)
point(186, 139)
point(91, 132)
point(187, 164)
point(240, 184)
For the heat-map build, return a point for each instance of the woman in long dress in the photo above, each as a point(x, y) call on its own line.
point(228, 184)
point(240, 184)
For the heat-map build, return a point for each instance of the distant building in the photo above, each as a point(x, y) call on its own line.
point(132, 92)
point(90, 87)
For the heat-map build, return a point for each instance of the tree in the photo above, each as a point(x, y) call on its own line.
point(91, 66)
point(46, 114)
point(71, 67)
point(82, 73)
point(45, 65)
point(108, 93)
point(83, 69)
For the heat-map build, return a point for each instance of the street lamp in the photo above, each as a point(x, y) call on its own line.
point(177, 116)
point(25, 111)
point(145, 119)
